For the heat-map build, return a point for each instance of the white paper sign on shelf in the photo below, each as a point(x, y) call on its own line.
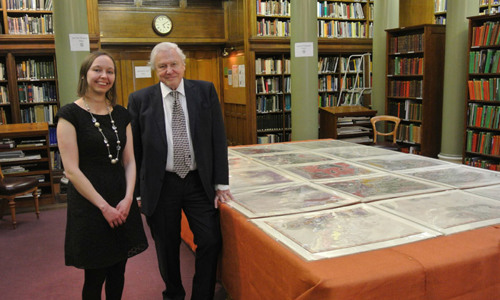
point(304, 49)
point(143, 72)
point(79, 42)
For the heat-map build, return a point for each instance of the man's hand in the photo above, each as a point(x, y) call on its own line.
point(222, 196)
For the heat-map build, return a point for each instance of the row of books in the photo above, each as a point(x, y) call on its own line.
point(410, 133)
point(440, 6)
point(486, 116)
point(52, 136)
point(440, 20)
point(39, 113)
point(32, 69)
point(4, 94)
point(340, 10)
point(271, 122)
point(273, 7)
point(328, 83)
point(352, 82)
point(484, 89)
point(7, 143)
point(405, 88)
point(55, 160)
point(266, 85)
point(2, 71)
point(482, 142)
point(31, 25)
point(482, 163)
point(29, 4)
point(344, 29)
point(266, 104)
point(328, 64)
point(3, 116)
point(273, 138)
point(407, 110)
point(484, 61)
point(327, 100)
point(406, 43)
point(486, 35)
point(273, 103)
point(34, 93)
point(266, 27)
point(406, 66)
point(270, 65)
point(351, 98)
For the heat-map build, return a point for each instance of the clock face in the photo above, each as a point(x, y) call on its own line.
point(162, 24)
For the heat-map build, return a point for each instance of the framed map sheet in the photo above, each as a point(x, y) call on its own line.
point(356, 152)
point(288, 199)
point(244, 179)
point(341, 231)
point(236, 162)
point(267, 148)
point(400, 162)
point(492, 191)
point(447, 212)
point(382, 186)
point(289, 158)
point(457, 176)
point(327, 170)
point(320, 144)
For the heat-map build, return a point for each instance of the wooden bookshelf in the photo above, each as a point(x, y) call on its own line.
point(482, 105)
point(33, 140)
point(488, 7)
point(28, 74)
point(440, 7)
point(256, 44)
point(414, 81)
point(346, 122)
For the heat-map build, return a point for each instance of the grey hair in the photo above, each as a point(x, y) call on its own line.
point(165, 46)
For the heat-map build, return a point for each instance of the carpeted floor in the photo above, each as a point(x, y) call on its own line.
point(32, 263)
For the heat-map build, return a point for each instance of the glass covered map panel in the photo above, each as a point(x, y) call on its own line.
point(447, 212)
point(382, 186)
point(288, 199)
point(341, 231)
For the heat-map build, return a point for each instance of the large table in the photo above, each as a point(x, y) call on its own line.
point(464, 265)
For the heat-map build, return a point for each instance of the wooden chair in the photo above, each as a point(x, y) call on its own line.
point(384, 126)
point(12, 187)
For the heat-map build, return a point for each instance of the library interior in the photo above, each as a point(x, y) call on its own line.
point(405, 208)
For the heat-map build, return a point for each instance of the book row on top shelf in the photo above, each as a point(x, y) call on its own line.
point(27, 17)
point(488, 7)
point(336, 19)
point(482, 117)
point(440, 8)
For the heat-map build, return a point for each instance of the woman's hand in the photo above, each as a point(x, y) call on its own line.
point(124, 207)
point(114, 217)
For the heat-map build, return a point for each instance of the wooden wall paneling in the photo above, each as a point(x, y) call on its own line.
point(416, 12)
point(93, 17)
point(122, 25)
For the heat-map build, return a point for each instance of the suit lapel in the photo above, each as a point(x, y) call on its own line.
point(158, 112)
point(192, 93)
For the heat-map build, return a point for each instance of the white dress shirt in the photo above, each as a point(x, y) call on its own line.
point(168, 102)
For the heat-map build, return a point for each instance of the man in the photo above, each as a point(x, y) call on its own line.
point(168, 118)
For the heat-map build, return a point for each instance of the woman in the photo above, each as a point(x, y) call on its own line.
point(104, 227)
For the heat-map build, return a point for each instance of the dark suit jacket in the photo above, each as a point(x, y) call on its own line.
point(150, 142)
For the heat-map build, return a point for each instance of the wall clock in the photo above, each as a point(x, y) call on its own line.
point(162, 25)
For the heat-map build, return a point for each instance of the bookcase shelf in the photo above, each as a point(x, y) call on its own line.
point(415, 68)
point(31, 142)
point(488, 7)
point(440, 7)
point(482, 111)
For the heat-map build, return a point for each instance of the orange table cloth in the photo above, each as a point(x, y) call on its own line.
point(461, 266)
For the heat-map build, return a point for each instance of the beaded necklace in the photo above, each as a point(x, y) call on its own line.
point(113, 126)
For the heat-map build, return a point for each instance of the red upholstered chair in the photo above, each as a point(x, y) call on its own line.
point(12, 187)
point(384, 126)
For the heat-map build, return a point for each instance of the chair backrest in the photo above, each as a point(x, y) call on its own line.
point(388, 120)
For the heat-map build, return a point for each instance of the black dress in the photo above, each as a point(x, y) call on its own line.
point(90, 242)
